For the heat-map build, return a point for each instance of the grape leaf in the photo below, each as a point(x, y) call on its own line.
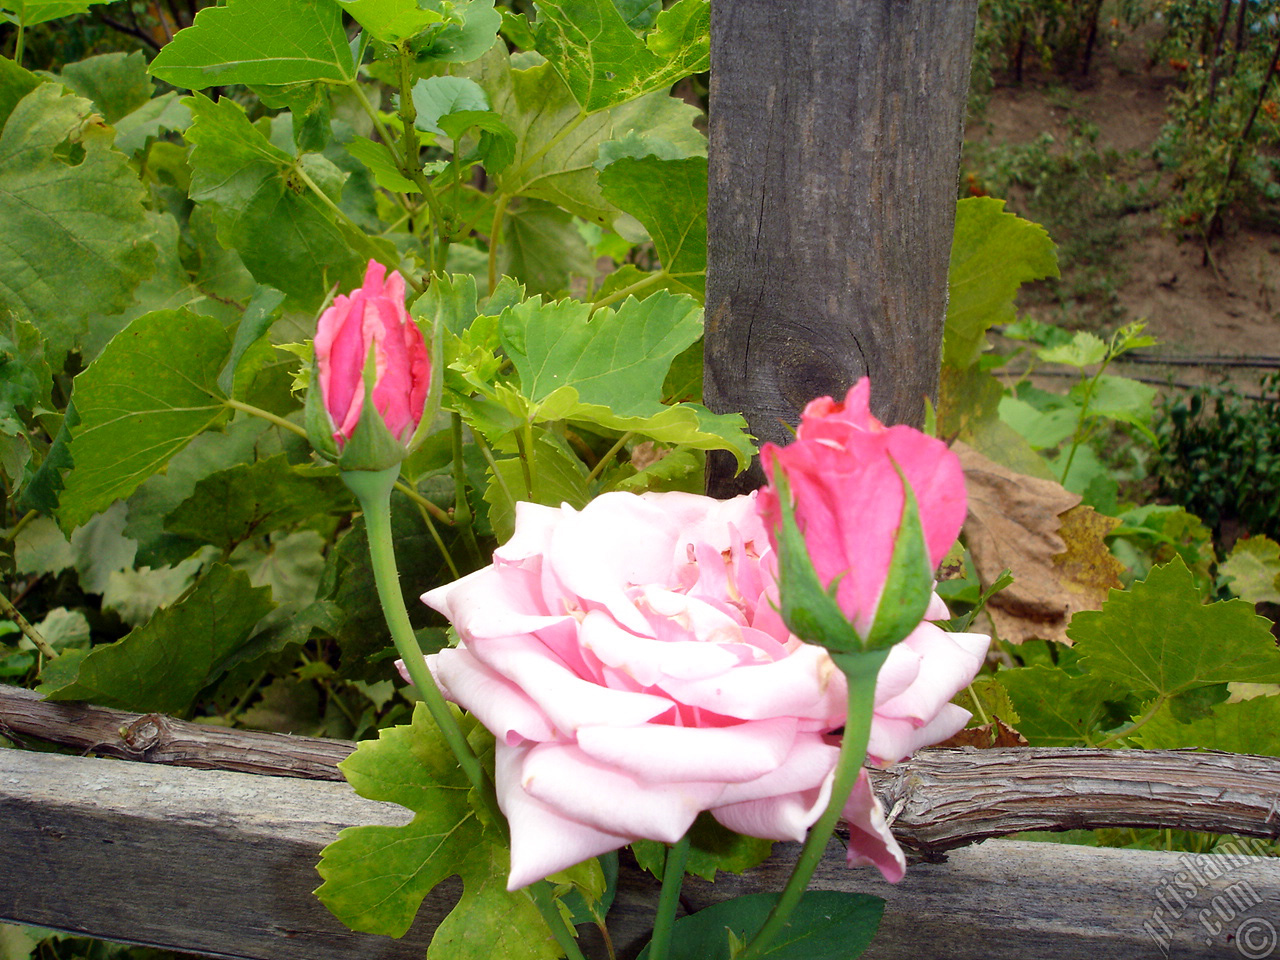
point(602, 60)
point(153, 119)
point(391, 20)
point(1056, 708)
point(557, 148)
point(117, 83)
point(76, 240)
point(284, 233)
point(247, 41)
point(685, 424)
point(712, 848)
point(1160, 640)
point(375, 878)
point(15, 83)
point(541, 247)
point(435, 97)
point(617, 359)
point(558, 477)
point(1120, 398)
point(253, 499)
point(670, 198)
point(1249, 726)
point(30, 12)
point(151, 391)
point(826, 925)
point(165, 663)
point(993, 253)
point(1253, 570)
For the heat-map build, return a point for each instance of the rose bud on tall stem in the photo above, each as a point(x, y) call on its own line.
point(371, 378)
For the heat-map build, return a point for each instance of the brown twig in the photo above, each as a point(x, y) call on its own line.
point(943, 798)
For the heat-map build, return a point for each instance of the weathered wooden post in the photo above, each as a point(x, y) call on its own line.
point(835, 131)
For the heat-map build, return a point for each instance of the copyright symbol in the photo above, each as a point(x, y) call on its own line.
point(1255, 938)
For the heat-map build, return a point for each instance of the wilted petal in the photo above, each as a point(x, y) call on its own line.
point(871, 843)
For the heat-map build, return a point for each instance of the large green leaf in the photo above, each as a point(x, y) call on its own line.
point(605, 63)
point(1056, 708)
point(557, 148)
point(1250, 726)
point(117, 83)
point(253, 499)
point(1159, 639)
point(391, 20)
point(617, 359)
point(670, 198)
point(15, 83)
point(165, 663)
point(248, 41)
point(76, 238)
point(558, 477)
point(541, 247)
point(375, 878)
point(712, 848)
point(993, 253)
point(683, 424)
point(285, 234)
point(826, 925)
point(29, 12)
point(153, 389)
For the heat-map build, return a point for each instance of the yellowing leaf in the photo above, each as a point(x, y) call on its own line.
point(1059, 561)
point(1253, 570)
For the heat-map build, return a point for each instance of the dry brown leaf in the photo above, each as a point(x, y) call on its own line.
point(1053, 547)
point(988, 735)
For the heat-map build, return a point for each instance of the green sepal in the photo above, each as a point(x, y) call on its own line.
point(434, 335)
point(909, 584)
point(808, 610)
point(372, 446)
point(316, 419)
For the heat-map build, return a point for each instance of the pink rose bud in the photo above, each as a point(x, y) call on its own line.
point(373, 318)
point(843, 470)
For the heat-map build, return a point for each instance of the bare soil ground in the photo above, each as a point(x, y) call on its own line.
point(1226, 304)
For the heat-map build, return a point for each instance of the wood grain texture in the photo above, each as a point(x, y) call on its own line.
point(223, 864)
point(156, 738)
point(835, 134)
point(938, 800)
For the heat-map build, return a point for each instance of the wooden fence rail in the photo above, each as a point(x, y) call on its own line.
point(222, 862)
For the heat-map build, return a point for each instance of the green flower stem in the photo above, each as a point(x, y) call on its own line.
point(672, 880)
point(373, 490)
point(284, 424)
point(19, 42)
point(540, 894)
point(860, 670)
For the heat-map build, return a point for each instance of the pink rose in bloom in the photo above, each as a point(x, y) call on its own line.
point(849, 497)
point(631, 666)
point(373, 316)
